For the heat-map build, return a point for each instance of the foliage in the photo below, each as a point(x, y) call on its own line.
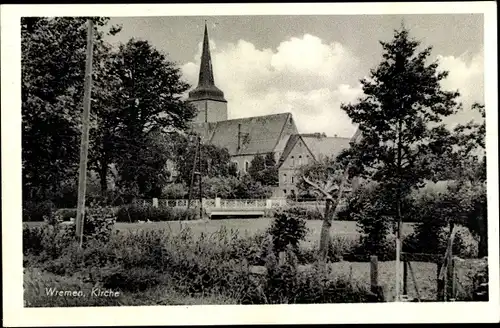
point(53, 64)
point(149, 102)
point(222, 187)
point(402, 100)
point(247, 188)
point(263, 169)
point(288, 228)
point(215, 161)
point(134, 213)
point(37, 211)
point(480, 281)
point(174, 191)
point(214, 264)
point(325, 172)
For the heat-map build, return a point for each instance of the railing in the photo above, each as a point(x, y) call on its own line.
point(232, 203)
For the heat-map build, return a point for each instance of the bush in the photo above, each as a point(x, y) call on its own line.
point(288, 228)
point(285, 284)
point(134, 213)
point(465, 244)
point(37, 211)
point(66, 213)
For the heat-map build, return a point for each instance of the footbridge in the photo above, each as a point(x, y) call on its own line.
point(233, 207)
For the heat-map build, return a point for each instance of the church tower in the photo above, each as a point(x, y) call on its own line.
point(206, 97)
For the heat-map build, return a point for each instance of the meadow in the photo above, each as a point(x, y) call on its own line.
point(243, 241)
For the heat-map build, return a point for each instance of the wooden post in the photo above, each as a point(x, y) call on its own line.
point(373, 273)
point(439, 281)
point(82, 178)
point(375, 288)
point(405, 277)
point(453, 279)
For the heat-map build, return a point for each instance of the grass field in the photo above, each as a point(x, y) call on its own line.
point(250, 227)
point(245, 226)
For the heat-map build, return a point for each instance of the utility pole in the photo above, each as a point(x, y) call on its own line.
point(82, 179)
point(200, 178)
point(193, 173)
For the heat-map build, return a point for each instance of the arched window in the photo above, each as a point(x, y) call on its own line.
point(300, 160)
point(292, 163)
point(246, 166)
point(292, 178)
point(284, 178)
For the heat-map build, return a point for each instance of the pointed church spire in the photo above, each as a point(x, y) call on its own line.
point(206, 88)
point(206, 77)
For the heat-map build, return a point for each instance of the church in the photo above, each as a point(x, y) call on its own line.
point(245, 138)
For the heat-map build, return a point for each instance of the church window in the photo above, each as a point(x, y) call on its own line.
point(284, 178)
point(292, 178)
point(292, 162)
point(246, 166)
point(300, 160)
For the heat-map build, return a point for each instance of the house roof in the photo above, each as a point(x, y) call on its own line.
point(257, 134)
point(318, 145)
point(325, 146)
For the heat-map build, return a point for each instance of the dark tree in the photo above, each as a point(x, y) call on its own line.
point(52, 73)
point(400, 118)
point(148, 100)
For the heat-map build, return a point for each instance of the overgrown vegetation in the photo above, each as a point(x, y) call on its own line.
point(217, 265)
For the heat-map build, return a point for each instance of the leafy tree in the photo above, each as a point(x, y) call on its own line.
point(149, 101)
point(222, 187)
point(247, 188)
point(264, 170)
point(257, 167)
point(52, 74)
point(174, 191)
point(400, 119)
point(270, 175)
point(325, 179)
point(215, 161)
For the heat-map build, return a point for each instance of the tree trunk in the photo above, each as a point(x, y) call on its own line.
point(324, 241)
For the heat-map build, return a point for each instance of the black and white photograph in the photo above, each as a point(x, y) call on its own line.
point(201, 159)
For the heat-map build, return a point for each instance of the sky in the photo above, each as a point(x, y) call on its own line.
point(309, 65)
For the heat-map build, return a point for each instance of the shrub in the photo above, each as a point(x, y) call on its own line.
point(66, 213)
point(288, 228)
point(134, 213)
point(285, 283)
point(37, 211)
point(465, 244)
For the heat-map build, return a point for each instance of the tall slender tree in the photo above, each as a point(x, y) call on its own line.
point(400, 117)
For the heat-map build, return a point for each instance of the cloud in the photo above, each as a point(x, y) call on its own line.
point(309, 78)
point(467, 76)
point(303, 75)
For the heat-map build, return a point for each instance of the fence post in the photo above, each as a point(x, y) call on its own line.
point(405, 277)
point(440, 282)
point(269, 203)
point(217, 202)
point(155, 202)
point(375, 288)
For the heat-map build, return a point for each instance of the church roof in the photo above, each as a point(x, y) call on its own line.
point(206, 89)
point(247, 136)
